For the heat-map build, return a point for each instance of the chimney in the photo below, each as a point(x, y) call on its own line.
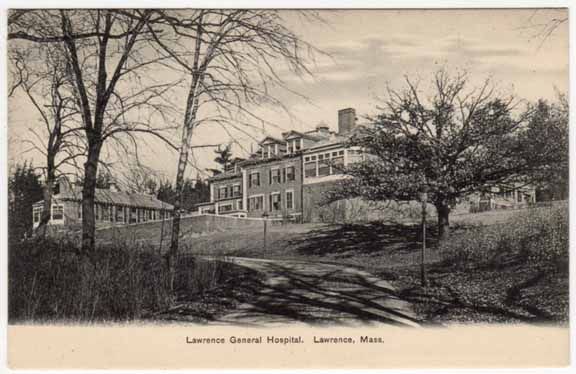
point(346, 120)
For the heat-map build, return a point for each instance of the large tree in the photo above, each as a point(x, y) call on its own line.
point(232, 60)
point(454, 141)
point(106, 53)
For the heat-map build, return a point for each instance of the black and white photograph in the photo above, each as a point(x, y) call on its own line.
point(288, 168)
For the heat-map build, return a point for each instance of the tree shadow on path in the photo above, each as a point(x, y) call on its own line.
point(318, 294)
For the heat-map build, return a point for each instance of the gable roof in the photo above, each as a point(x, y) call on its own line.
point(307, 135)
point(105, 196)
point(273, 140)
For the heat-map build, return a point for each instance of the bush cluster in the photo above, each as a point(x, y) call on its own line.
point(49, 281)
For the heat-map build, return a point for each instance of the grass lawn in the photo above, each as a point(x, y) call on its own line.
point(481, 274)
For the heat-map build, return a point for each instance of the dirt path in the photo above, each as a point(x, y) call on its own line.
point(294, 291)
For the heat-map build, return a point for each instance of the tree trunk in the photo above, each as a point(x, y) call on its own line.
point(182, 161)
point(443, 211)
point(187, 129)
point(88, 197)
point(47, 193)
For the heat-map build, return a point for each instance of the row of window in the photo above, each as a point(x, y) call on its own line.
point(292, 146)
point(276, 175)
point(229, 191)
point(323, 164)
point(108, 213)
point(228, 207)
point(122, 214)
point(276, 202)
point(57, 213)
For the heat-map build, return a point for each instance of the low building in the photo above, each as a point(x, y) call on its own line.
point(514, 196)
point(111, 207)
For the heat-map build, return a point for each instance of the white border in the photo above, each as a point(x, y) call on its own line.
point(261, 4)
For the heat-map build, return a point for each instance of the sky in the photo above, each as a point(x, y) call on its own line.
point(366, 50)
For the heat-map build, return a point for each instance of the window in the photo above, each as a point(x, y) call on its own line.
point(239, 204)
point(222, 192)
point(256, 203)
point(57, 212)
point(274, 176)
point(293, 145)
point(97, 211)
point(337, 163)
point(225, 208)
point(105, 213)
point(271, 150)
point(79, 210)
point(254, 179)
point(289, 199)
point(290, 173)
point(310, 169)
point(323, 166)
point(37, 213)
point(236, 190)
point(275, 201)
point(119, 214)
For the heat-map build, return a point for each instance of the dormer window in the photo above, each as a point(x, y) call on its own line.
point(294, 145)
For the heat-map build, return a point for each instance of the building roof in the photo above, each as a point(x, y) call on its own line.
point(306, 135)
point(226, 175)
point(106, 196)
point(271, 140)
point(334, 140)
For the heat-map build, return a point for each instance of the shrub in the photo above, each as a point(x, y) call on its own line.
point(538, 237)
point(49, 281)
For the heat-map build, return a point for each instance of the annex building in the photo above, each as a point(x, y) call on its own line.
point(112, 207)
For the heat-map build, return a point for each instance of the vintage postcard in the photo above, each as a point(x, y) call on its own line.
point(278, 189)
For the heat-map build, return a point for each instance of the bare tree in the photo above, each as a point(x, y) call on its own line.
point(543, 23)
point(232, 60)
point(54, 104)
point(105, 52)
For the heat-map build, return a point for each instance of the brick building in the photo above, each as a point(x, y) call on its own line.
point(286, 176)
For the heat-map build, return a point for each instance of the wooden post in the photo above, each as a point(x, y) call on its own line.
point(423, 252)
point(265, 216)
